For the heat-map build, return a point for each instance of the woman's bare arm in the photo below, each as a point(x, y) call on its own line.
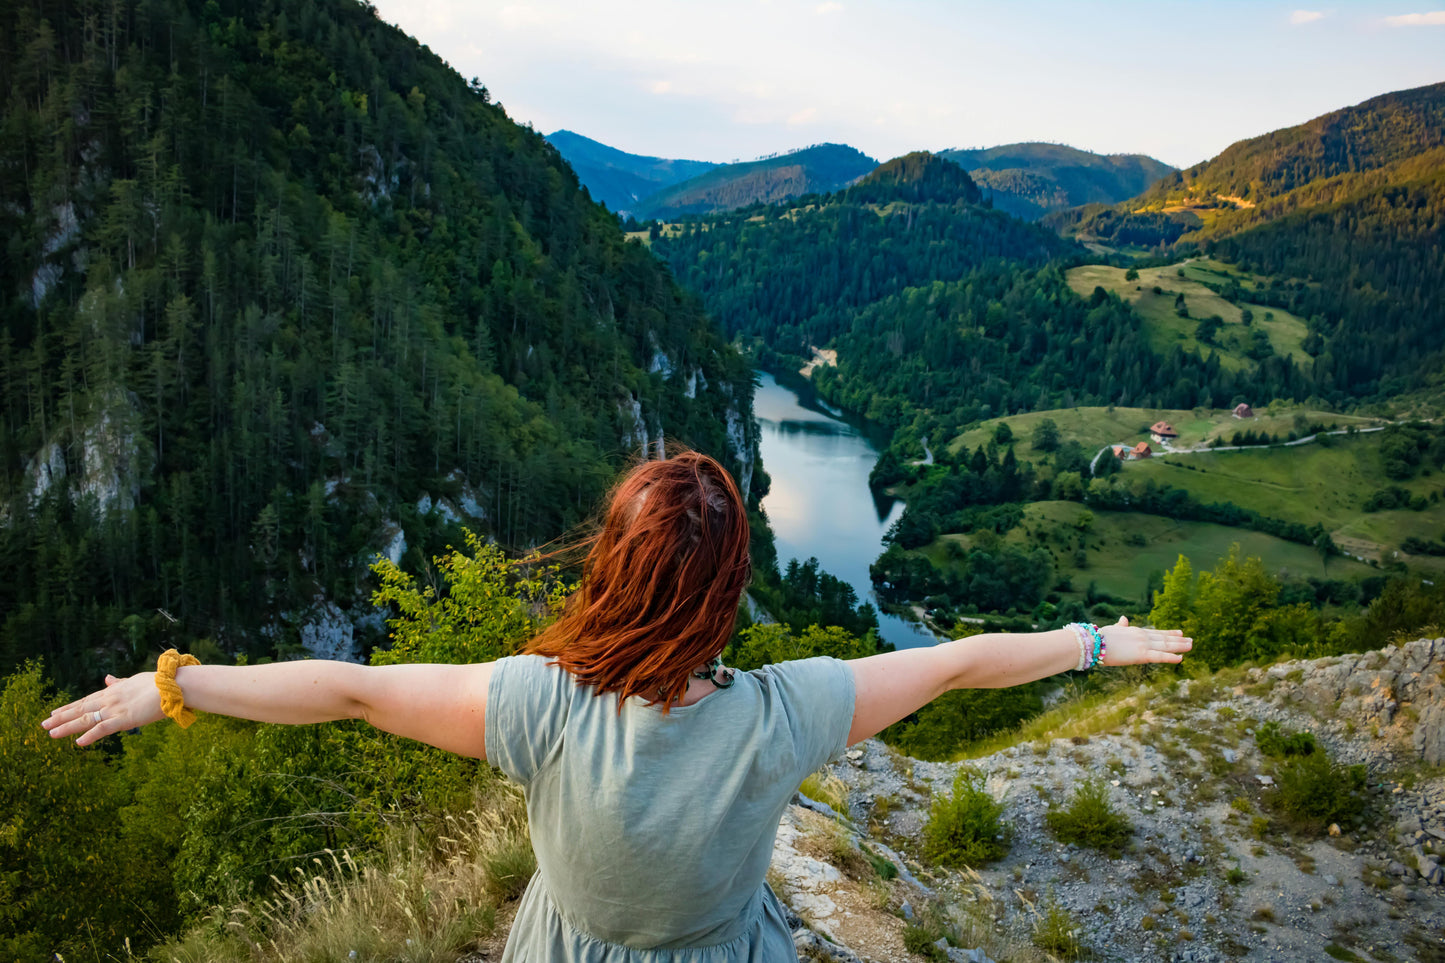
point(442, 705)
point(894, 684)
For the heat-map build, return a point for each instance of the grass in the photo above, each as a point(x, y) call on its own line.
point(1091, 713)
point(824, 787)
point(1094, 427)
point(1308, 484)
point(418, 901)
point(1167, 329)
point(1056, 932)
point(1118, 565)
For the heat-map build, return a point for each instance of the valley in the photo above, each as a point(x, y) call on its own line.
point(307, 346)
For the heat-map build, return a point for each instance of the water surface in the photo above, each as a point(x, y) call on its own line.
point(819, 504)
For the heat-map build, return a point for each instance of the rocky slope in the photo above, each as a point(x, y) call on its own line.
point(1212, 872)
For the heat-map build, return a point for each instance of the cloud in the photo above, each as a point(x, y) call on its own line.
point(805, 116)
point(826, 8)
point(662, 87)
point(1435, 18)
point(1305, 16)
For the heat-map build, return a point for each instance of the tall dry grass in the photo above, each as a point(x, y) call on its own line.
point(416, 901)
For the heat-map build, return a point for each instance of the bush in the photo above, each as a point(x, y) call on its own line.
point(1091, 820)
point(1313, 791)
point(966, 829)
point(1277, 742)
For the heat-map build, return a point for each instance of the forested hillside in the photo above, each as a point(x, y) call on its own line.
point(1345, 211)
point(281, 290)
point(793, 275)
point(812, 170)
point(1029, 180)
point(619, 179)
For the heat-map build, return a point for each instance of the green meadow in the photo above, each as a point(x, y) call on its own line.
point(1096, 427)
point(1191, 278)
point(1123, 550)
point(1310, 483)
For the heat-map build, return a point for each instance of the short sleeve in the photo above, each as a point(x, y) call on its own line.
point(527, 707)
point(818, 695)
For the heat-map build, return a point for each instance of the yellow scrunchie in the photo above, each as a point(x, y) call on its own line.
point(173, 701)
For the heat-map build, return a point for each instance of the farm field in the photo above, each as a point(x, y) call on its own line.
point(1167, 329)
point(1125, 549)
point(1095, 427)
point(1309, 483)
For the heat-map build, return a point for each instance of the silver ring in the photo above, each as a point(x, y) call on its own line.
point(96, 715)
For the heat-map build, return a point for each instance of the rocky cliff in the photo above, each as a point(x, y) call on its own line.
point(1211, 872)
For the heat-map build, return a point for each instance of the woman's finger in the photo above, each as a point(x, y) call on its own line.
point(110, 680)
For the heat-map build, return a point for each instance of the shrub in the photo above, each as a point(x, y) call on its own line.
point(1279, 743)
point(966, 829)
point(1313, 791)
point(1091, 820)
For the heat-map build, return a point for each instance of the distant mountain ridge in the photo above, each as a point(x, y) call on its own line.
point(1343, 156)
point(619, 179)
point(820, 169)
point(1032, 179)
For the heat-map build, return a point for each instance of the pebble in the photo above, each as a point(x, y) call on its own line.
point(1331, 879)
point(1265, 780)
point(907, 910)
point(1229, 755)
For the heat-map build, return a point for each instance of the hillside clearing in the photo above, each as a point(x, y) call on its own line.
point(1191, 279)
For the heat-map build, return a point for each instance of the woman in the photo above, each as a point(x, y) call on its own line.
point(655, 779)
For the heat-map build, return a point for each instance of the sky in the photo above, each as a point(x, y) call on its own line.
point(1176, 79)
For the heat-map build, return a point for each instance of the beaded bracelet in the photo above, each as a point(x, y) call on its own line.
point(1085, 646)
point(1091, 645)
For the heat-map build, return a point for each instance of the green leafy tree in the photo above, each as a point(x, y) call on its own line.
point(486, 607)
point(759, 645)
point(1046, 435)
point(1174, 602)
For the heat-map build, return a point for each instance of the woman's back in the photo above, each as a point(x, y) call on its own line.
point(655, 830)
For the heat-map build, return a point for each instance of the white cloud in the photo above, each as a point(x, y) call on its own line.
point(1305, 16)
point(805, 116)
point(662, 87)
point(826, 8)
point(1435, 18)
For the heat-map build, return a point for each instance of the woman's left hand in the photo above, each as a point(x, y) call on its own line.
point(122, 704)
point(1126, 645)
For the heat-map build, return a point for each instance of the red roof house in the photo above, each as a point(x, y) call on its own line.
point(1141, 450)
point(1162, 431)
point(1243, 410)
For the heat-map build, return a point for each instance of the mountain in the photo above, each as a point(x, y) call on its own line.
point(792, 274)
point(286, 293)
point(619, 179)
point(1346, 212)
point(1029, 180)
point(812, 170)
point(915, 178)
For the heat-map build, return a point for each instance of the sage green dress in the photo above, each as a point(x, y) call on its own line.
point(653, 832)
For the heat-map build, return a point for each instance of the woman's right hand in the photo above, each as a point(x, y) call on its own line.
point(122, 704)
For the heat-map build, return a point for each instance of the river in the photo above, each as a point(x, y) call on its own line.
point(820, 504)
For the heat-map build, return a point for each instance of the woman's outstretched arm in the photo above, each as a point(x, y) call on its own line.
point(442, 705)
point(894, 684)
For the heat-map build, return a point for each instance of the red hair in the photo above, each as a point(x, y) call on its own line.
point(660, 584)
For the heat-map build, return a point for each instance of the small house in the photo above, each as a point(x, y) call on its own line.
point(1121, 452)
point(1243, 410)
point(1162, 432)
point(1141, 450)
